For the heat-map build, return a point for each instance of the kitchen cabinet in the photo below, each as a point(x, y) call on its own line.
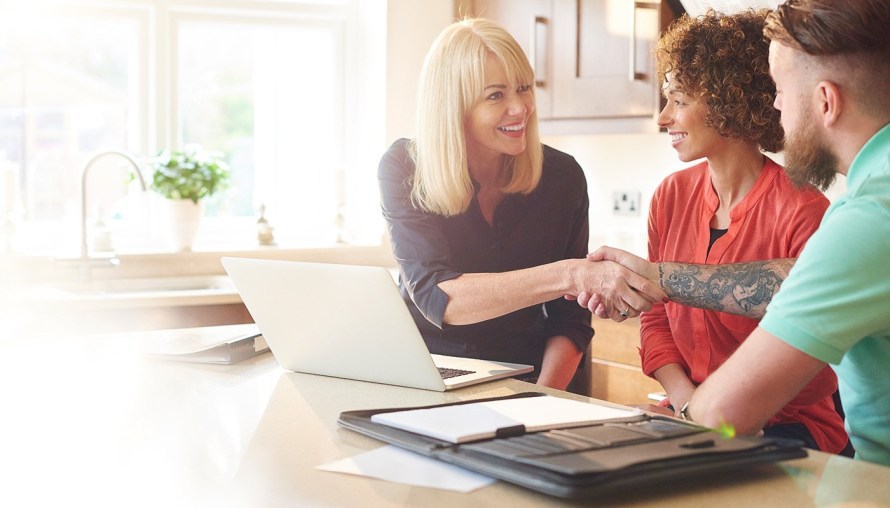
point(592, 58)
point(530, 23)
point(614, 370)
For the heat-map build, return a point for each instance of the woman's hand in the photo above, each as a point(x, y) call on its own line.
point(606, 306)
point(620, 292)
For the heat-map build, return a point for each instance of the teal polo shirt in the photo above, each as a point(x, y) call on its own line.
point(835, 303)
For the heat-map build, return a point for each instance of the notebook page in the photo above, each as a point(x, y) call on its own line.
point(470, 422)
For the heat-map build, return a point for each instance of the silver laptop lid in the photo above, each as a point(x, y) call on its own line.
point(344, 321)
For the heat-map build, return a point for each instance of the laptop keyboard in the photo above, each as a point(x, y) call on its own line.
point(450, 373)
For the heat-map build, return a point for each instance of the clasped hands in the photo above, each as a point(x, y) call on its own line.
point(629, 285)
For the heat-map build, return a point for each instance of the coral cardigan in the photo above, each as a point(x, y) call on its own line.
point(774, 220)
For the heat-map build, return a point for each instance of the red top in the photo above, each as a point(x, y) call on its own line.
point(774, 220)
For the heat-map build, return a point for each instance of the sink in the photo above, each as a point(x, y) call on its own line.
point(212, 283)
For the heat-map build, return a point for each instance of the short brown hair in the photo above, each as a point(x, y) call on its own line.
point(824, 27)
point(852, 36)
point(724, 59)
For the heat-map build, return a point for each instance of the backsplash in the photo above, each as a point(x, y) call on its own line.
point(634, 163)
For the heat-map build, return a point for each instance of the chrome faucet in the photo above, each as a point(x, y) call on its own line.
point(85, 262)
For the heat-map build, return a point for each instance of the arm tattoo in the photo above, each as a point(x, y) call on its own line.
point(740, 288)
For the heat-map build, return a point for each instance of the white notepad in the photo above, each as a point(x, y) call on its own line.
point(224, 344)
point(484, 420)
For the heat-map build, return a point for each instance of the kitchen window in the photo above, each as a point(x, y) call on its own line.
point(290, 91)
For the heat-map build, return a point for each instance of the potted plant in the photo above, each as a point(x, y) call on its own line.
point(185, 177)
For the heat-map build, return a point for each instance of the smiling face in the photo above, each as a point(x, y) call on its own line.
point(496, 124)
point(684, 117)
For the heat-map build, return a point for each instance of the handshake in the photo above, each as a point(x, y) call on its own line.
point(618, 284)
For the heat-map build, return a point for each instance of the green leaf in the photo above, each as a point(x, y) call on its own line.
point(192, 173)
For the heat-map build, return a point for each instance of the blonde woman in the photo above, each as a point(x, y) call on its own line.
point(490, 227)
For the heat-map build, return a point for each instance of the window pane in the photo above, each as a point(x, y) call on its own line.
point(263, 84)
point(269, 97)
point(67, 91)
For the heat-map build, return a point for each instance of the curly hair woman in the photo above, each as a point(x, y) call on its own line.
point(735, 205)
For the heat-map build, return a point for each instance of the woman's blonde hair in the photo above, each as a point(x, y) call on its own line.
point(451, 83)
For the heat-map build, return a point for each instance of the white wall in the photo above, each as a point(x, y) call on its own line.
point(412, 27)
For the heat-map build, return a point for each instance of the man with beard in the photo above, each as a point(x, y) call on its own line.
point(830, 63)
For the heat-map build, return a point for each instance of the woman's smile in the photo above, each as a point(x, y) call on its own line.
point(514, 130)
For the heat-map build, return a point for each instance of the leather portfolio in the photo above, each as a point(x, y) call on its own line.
point(583, 461)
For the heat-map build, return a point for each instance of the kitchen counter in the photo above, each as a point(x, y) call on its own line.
point(154, 279)
point(97, 424)
point(143, 291)
point(130, 293)
point(120, 305)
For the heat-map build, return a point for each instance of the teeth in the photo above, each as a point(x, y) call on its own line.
point(677, 137)
point(512, 128)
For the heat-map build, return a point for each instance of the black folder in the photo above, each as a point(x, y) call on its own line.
point(582, 462)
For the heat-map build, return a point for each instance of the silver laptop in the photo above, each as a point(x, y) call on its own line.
point(348, 321)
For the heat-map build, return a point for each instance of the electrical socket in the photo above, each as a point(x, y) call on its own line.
point(626, 202)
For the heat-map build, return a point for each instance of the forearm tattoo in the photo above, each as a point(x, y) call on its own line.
point(741, 288)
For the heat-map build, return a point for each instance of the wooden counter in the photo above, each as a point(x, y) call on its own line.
point(614, 371)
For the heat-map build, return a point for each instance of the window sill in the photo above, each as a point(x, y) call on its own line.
point(203, 261)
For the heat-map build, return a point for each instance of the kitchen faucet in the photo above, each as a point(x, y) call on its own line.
point(85, 262)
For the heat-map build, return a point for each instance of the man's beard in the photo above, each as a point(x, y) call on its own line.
point(807, 160)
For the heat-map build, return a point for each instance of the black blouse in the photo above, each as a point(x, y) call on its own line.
point(547, 225)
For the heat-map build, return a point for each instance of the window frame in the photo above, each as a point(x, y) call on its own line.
point(157, 121)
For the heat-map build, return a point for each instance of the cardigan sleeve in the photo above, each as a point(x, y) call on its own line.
point(657, 345)
point(565, 317)
point(418, 245)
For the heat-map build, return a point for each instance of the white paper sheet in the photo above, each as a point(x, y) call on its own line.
point(394, 464)
point(469, 422)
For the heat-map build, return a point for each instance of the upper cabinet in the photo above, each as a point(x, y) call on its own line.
point(593, 60)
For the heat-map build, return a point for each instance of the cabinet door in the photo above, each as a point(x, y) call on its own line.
point(603, 58)
point(529, 21)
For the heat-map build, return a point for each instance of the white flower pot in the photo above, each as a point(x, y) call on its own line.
point(181, 218)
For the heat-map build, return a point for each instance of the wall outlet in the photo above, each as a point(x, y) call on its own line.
point(626, 202)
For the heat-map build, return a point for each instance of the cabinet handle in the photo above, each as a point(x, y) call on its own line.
point(540, 70)
point(633, 75)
